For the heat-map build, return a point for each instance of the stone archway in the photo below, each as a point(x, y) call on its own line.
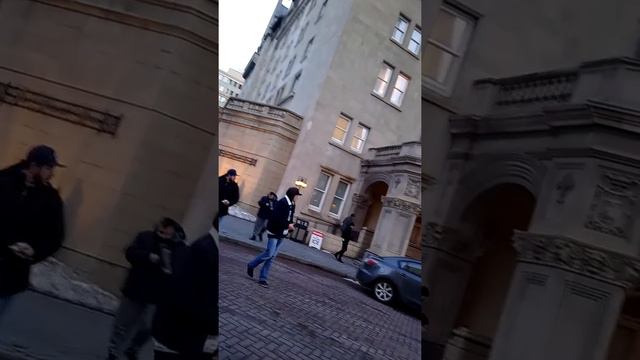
point(491, 219)
point(625, 343)
point(367, 207)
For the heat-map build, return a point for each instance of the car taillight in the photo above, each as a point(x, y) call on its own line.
point(371, 262)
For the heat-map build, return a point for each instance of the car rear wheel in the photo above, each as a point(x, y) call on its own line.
point(384, 291)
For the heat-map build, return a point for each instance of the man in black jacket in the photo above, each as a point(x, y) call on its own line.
point(228, 195)
point(266, 208)
point(152, 256)
point(31, 219)
point(279, 225)
point(347, 235)
point(188, 315)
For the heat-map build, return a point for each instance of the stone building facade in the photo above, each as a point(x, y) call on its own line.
point(229, 85)
point(532, 173)
point(351, 70)
point(124, 91)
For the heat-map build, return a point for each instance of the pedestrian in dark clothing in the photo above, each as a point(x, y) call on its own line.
point(189, 314)
point(347, 235)
point(152, 256)
point(279, 225)
point(266, 208)
point(228, 195)
point(31, 219)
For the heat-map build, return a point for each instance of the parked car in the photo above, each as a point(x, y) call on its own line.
point(393, 279)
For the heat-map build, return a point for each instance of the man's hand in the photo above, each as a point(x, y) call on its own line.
point(154, 258)
point(226, 202)
point(291, 228)
point(23, 250)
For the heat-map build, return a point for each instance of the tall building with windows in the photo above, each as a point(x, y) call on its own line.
point(230, 85)
point(532, 162)
point(351, 70)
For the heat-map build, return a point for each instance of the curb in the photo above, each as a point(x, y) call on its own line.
point(288, 257)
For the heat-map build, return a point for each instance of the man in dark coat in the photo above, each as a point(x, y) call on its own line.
point(188, 315)
point(266, 208)
point(279, 225)
point(152, 256)
point(31, 219)
point(347, 235)
point(228, 195)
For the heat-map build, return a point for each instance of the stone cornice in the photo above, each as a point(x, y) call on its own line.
point(402, 205)
point(449, 240)
point(577, 257)
point(591, 113)
point(135, 21)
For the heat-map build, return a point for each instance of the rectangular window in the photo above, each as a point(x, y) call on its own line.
point(341, 129)
point(399, 89)
point(279, 94)
point(295, 82)
point(400, 29)
point(338, 199)
point(384, 77)
point(359, 138)
point(289, 66)
point(307, 49)
point(302, 32)
point(319, 191)
point(416, 41)
point(445, 47)
point(322, 9)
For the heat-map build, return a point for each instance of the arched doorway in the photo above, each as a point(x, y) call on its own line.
point(368, 212)
point(625, 344)
point(490, 220)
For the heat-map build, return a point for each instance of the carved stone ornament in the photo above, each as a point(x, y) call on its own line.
point(396, 181)
point(564, 187)
point(613, 204)
point(402, 205)
point(449, 240)
point(571, 255)
point(413, 188)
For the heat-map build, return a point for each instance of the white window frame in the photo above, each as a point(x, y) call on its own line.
point(446, 87)
point(364, 141)
point(385, 65)
point(324, 192)
point(344, 200)
point(346, 131)
point(395, 27)
point(417, 29)
point(404, 93)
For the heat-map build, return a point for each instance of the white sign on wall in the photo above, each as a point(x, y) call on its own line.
point(315, 240)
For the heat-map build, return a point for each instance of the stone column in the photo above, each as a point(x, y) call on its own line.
point(447, 262)
point(564, 300)
point(393, 231)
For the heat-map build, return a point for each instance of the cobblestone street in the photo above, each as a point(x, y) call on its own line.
point(306, 313)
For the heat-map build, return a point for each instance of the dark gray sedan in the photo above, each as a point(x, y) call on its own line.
point(392, 279)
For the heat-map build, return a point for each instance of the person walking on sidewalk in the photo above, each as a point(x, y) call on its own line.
point(31, 219)
point(279, 225)
point(266, 208)
point(228, 195)
point(347, 235)
point(152, 257)
point(188, 315)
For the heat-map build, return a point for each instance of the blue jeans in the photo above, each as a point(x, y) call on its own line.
point(273, 244)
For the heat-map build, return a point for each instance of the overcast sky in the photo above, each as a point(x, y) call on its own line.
point(242, 24)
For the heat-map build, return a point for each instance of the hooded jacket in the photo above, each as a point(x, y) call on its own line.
point(29, 214)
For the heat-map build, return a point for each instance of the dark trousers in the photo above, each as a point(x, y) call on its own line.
point(345, 245)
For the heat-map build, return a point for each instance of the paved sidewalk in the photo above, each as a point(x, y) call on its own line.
point(236, 230)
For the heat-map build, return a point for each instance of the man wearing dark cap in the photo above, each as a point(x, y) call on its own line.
point(228, 195)
point(31, 219)
point(279, 225)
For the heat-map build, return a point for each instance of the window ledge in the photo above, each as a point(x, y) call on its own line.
point(384, 100)
point(348, 151)
point(405, 49)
